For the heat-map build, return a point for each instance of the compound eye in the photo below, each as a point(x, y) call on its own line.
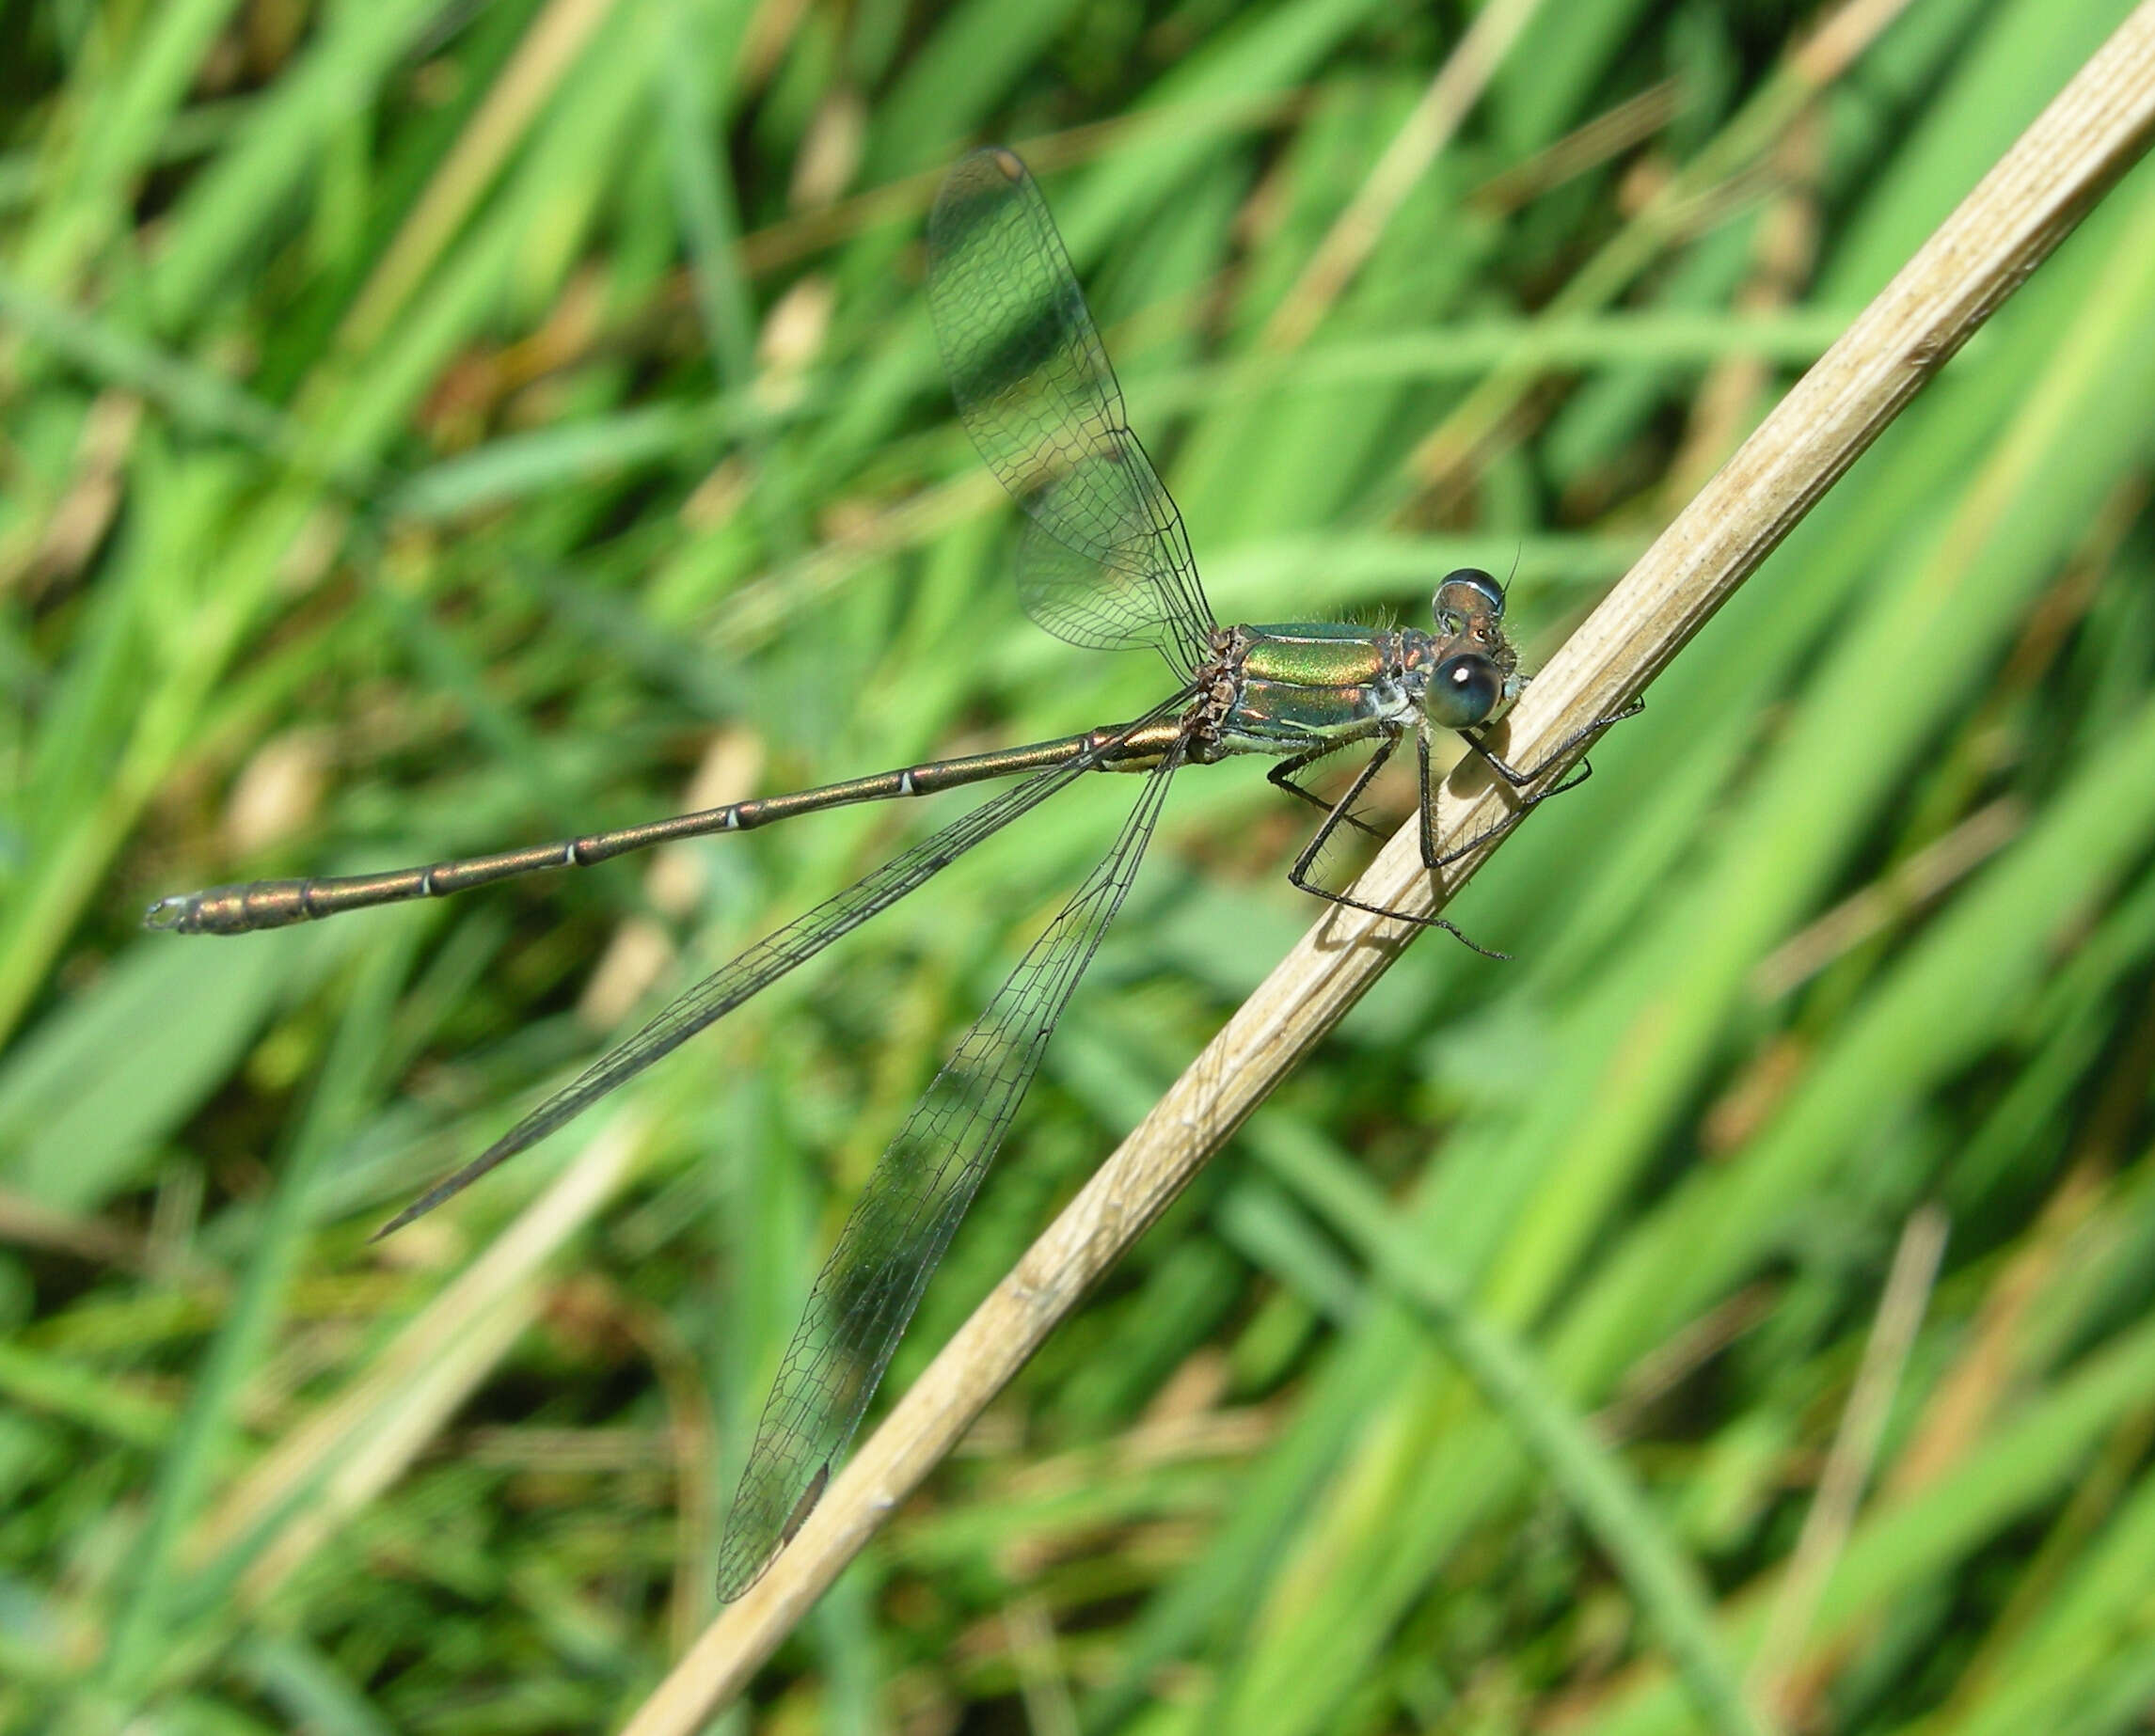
point(1463, 692)
point(1468, 592)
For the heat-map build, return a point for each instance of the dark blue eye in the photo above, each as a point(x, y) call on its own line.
point(1468, 592)
point(1461, 692)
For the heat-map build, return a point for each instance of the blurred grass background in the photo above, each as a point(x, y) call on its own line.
point(431, 427)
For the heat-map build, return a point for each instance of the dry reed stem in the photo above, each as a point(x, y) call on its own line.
point(2072, 153)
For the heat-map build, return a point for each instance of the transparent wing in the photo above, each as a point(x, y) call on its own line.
point(763, 964)
point(905, 1217)
point(1105, 562)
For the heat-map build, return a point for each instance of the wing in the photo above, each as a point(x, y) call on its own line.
point(1105, 562)
point(905, 1216)
point(753, 970)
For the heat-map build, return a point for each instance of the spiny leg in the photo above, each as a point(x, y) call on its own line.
point(1425, 804)
point(1281, 776)
point(1519, 779)
point(1475, 843)
point(1298, 876)
point(1524, 805)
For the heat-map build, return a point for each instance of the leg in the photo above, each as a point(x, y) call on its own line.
point(1435, 862)
point(1475, 843)
point(1425, 804)
point(1519, 780)
point(1282, 777)
point(1452, 929)
point(1298, 876)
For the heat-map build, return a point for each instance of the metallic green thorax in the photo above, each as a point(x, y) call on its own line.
point(1304, 686)
point(1302, 683)
point(1320, 653)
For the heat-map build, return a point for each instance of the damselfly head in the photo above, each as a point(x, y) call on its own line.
point(1467, 598)
point(1477, 676)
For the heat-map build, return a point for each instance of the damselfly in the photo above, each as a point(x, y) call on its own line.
point(1103, 562)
